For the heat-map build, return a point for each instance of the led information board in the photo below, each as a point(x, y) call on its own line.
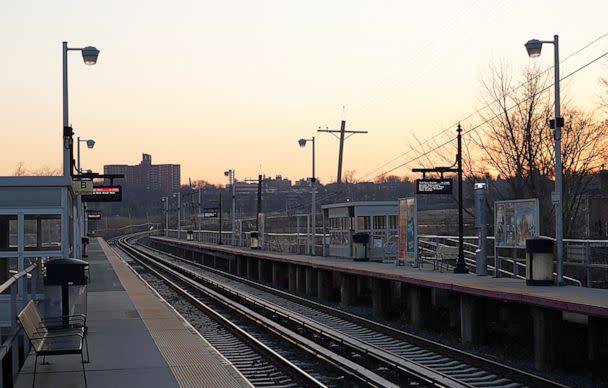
point(104, 194)
point(433, 186)
point(94, 214)
point(210, 212)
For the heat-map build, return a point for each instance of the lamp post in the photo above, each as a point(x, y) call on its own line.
point(231, 180)
point(178, 195)
point(89, 56)
point(313, 205)
point(534, 48)
point(90, 145)
point(166, 201)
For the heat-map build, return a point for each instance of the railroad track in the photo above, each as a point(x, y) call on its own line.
point(262, 374)
point(391, 353)
point(260, 365)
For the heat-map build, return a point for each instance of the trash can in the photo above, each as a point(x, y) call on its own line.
point(539, 262)
point(190, 235)
point(254, 241)
point(360, 243)
point(65, 281)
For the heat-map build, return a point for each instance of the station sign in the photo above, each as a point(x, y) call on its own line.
point(210, 212)
point(82, 186)
point(433, 186)
point(104, 194)
point(94, 215)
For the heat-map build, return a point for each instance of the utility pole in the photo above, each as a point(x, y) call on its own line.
point(220, 225)
point(342, 137)
point(259, 207)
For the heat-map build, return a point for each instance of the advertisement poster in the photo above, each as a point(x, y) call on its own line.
point(407, 229)
point(515, 222)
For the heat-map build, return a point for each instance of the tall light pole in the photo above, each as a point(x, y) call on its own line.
point(178, 195)
point(231, 180)
point(534, 48)
point(313, 189)
point(166, 201)
point(84, 220)
point(89, 56)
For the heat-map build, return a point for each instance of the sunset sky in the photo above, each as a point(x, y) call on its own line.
point(214, 85)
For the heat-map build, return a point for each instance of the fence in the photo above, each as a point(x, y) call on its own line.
point(585, 261)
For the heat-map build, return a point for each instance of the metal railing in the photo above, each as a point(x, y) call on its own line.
point(581, 257)
point(15, 293)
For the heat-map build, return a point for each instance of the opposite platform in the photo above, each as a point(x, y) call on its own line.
point(589, 301)
point(136, 339)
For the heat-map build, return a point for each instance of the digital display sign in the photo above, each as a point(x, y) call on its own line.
point(94, 215)
point(433, 186)
point(104, 194)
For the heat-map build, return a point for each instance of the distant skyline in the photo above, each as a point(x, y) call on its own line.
point(233, 85)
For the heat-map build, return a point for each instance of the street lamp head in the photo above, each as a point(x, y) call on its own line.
point(227, 173)
point(90, 143)
point(534, 47)
point(302, 142)
point(89, 55)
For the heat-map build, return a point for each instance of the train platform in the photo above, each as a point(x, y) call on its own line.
point(587, 301)
point(136, 339)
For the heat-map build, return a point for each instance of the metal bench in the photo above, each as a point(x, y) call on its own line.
point(445, 254)
point(54, 336)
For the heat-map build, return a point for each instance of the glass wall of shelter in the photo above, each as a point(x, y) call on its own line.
point(378, 218)
point(36, 223)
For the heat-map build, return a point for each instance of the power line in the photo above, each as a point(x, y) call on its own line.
point(482, 108)
point(476, 127)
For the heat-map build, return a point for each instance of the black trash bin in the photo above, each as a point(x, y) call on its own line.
point(539, 262)
point(69, 276)
point(360, 243)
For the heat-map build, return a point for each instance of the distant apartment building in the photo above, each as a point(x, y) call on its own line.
point(164, 178)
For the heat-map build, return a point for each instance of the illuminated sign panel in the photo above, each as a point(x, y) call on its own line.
point(104, 194)
point(433, 186)
point(94, 215)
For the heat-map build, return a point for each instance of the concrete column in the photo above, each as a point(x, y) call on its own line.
point(454, 310)
point(240, 266)
point(251, 268)
point(311, 281)
point(472, 324)
point(232, 265)
point(594, 344)
point(291, 281)
point(276, 274)
point(324, 284)
point(348, 290)
point(419, 305)
point(261, 275)
point(300, 279)
point(546, 327)
point(381, 295)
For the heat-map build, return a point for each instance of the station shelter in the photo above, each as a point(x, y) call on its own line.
point(37, 223)
point(378, 219)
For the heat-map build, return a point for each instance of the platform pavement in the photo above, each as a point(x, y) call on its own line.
point(136, 339)
point(589, 301)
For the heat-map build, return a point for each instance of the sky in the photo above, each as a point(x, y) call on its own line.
point(234, 84)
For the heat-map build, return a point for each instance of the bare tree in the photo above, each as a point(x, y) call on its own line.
point(516, 141)
point(19, 169)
